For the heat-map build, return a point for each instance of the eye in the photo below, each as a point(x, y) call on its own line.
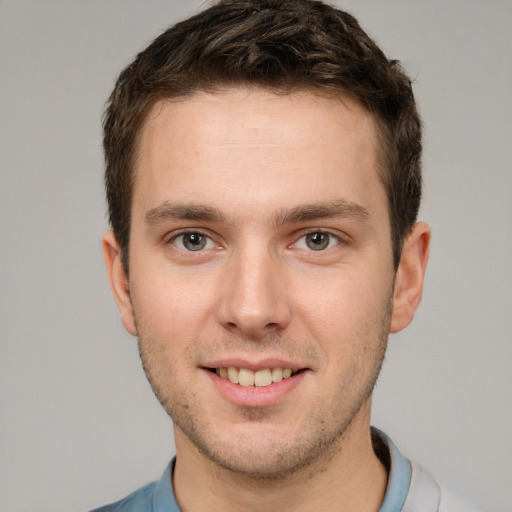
point(317, 241)
point(193, 241)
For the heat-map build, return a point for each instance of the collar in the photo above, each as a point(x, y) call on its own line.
point(399, 476)
point(396, 492)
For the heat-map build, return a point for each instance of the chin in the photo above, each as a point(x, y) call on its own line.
point(266, 454)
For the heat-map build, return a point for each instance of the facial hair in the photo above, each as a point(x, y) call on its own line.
point(270, 458)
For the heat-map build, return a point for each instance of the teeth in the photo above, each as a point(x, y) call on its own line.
point(260, 378)
point(246, 377)
point(233, 375)
point(277, 374)
point(263, 378)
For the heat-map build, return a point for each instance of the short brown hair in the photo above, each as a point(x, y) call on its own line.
point(281, 46)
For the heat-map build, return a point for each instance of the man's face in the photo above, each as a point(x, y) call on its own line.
point(260, 242)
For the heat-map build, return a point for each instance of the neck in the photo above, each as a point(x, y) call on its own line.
point(349, 476)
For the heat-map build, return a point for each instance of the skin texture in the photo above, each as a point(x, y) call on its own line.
point(255, 173)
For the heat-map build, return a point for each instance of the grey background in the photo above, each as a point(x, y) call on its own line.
point(79, 426)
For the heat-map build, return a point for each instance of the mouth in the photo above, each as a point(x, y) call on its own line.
point(264, 384)
point(260, 378)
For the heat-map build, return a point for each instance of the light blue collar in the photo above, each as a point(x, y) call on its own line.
point(399, 477)
point(163, 494)
point(396, 491)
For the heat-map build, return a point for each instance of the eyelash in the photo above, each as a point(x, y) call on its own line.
point(330, 239)
point(209, 242)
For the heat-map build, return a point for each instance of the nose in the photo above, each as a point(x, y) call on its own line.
point(253, 299)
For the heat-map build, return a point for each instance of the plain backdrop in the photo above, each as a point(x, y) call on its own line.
point(79, 426)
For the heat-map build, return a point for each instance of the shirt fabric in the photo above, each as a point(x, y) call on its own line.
point(409, 489)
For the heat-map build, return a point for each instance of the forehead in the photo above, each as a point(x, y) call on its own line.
point(261, 115)
point(249, 144)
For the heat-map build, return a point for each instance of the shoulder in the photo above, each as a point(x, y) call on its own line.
point(154, 497)
point(450, 502)
point(426, 495)
point(139, 500)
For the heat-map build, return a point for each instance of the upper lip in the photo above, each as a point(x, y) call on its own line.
point(254, 365)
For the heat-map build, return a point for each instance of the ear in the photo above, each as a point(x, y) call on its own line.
point(409, 277)
point(118, 280)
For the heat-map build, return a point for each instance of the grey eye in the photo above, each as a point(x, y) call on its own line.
point(194, 241)
point(317, 241)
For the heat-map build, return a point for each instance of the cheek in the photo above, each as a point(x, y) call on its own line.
point(346, 316)
point(171, 306)
point(336, 300)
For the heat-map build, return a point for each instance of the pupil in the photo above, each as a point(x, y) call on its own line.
point(318, 238)
point(194, 241)
point(317, 241)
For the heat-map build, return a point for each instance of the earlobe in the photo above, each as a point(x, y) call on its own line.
point(118, 280)
point(410, 275)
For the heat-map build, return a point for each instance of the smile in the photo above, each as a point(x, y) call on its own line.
point(260, 378)
point(256, 385)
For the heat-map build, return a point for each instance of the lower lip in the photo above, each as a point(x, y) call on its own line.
point(254, 396)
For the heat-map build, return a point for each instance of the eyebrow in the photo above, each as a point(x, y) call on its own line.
point(329, 209)
point(303, 213)
point(187, 211)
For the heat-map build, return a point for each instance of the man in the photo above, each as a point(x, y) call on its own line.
point(263, 180)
